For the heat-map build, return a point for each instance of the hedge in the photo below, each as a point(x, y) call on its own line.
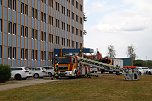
point(5, 73)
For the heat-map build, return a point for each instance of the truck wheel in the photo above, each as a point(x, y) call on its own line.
point(18, 77)
point(150, 73)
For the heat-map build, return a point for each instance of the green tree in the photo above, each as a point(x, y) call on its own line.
point(111, 51)
point(131, 53)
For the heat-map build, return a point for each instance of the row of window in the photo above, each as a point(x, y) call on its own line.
point(24, 31)
point(12, 51)
point(24, 10)
point(76, 4)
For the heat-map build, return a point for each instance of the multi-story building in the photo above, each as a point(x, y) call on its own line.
point(31, 29)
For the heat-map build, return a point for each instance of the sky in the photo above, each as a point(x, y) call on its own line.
point(120, 23)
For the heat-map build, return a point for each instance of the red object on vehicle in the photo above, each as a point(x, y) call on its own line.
point(132, 67)
point(99, 55)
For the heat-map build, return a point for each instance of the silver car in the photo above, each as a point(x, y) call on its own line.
point(38, 72)
point(49, 70)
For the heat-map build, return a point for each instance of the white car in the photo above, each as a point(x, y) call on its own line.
point(49, 70)
point(143, 70)
point(150, 72)
point(19, 73)
point(93, 69)
point(38, 72)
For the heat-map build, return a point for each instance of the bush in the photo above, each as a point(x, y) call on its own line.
point(5, 73)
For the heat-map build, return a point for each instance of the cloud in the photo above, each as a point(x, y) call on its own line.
point(134, 29)
point(120, 23)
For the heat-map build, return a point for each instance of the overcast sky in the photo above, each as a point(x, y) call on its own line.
point(120, 23)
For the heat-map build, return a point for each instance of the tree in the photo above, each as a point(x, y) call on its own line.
point(111, 51)
point(131, 53)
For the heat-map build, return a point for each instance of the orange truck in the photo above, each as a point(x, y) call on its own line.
point(67, 66)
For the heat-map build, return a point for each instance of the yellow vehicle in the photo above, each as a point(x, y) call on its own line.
point(67, 67)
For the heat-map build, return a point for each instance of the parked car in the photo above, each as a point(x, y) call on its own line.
point(93, 70)
point(20, 73)
point(38, 72)
point(143, 70)
point(49, 70)
point(149, 72)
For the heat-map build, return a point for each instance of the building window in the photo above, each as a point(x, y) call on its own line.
point(41, 55)
point(44, 18)
point(50, 2)
point(10, 4)
point(77, 4)
point(9, 52)
point(14, 52)
point(77, 18)
point(68, 27)
point(35, 13)
point(14, 5)
point(81, 8)
point(76, 44)
point(22, 53)
point(72, 43)
point(22, 7)
point(52, 21)
point(80, 20)
point(1, 2)
point(14, 28)
point(50, 38)
point(36, 34)
point(1, 27)
point(73, 2)
point(9, 27)
point(57, 6)
point(26, 31)
point(22, 30)
point(57, 23)
point(32, 33)
point(69, 43)
point(50, 56)
point(80, 45)
point(26, 54)
point(44, 55)
point(36, 55)
point(32, 55)
point(1, 51)
point(44, 36)
point(72, 29)
point(72, 15)
point(57, 40)
point(81, 33)
point(77, 31)
point(26, 9)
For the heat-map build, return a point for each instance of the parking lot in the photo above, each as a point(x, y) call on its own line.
point(30, 81)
